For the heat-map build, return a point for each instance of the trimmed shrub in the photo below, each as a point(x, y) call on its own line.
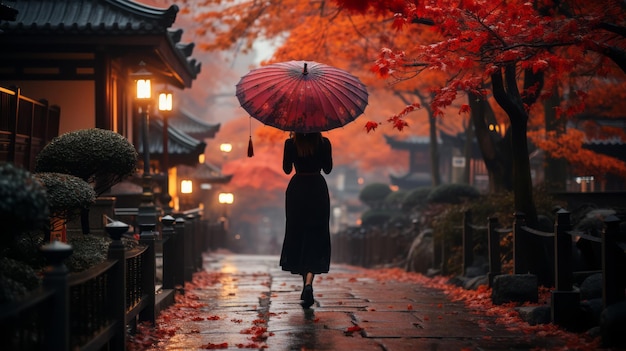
point(98, 156)
point(395, 199)
point(416, 199)
point(375, 217)
point(373, 195)
point(67, 194)
point(24, 205)
point(16, 280)
point(453, 194)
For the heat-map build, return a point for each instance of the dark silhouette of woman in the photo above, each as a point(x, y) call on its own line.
point(306, 248)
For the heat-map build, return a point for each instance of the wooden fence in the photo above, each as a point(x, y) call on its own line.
point(95, 309)
point(26, 126)
point(372, 246)
point(565, 298)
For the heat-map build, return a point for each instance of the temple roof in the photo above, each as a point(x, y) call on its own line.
point(182, 148)
point(413, 142)
point(614, 147)
point(210, 173)
point(92, 25)
point(192, 126)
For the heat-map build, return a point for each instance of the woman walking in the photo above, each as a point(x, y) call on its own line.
point(306, 247)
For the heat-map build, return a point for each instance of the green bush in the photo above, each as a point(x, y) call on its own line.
point(16, 280)
point(23, 204)
point(447, 221)
point(395, 199)
point(88, 251)
point(373, 195)
point(416, 199)
point(67, 194)
point(453, 193)
point(375, 217)
point(98, 156)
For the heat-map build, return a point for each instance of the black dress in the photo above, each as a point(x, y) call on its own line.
point(306, 247)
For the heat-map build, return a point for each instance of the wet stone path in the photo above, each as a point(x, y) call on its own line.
point(247, 302)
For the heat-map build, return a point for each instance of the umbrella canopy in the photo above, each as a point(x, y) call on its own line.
point(301, 96)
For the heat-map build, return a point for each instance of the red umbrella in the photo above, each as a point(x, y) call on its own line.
point(302, 96)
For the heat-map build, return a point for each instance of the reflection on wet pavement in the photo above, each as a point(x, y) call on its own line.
point(247, 302)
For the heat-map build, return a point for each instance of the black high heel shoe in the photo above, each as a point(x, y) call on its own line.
point(307, 296)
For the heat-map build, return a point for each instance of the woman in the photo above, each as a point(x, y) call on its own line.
point(306, 248)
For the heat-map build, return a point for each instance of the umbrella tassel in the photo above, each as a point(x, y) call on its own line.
point(250, 148)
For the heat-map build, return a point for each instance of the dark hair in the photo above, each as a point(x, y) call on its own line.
point(306, 143)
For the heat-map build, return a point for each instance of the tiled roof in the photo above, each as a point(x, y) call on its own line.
point(94, 20)
point(211, 173)
point(614, 147)
point(117, 17)
point(182, 148)
point(413, 142)
point(192, 126)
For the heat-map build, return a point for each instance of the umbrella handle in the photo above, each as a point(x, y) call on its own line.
point(305, 71)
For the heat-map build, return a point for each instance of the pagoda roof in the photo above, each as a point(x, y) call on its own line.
point(413, 142)
point(211, 173)
point(182, 148)
point(78, 27)
point(192, 126)
point(613, 147)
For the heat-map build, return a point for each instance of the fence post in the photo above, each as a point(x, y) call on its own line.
point(563, 252)
point(612, 263)
point(56, 278)
point(117, 284)
point(188, 249)
point(493, 243)
point(179, 266)
point(468, 241)
point(148, 271)
point(564, 300)
point(519, 253)
point(169, 252)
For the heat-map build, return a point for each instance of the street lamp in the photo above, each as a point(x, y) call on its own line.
point(225, 148)
point(165, 108)
point(143, 97)
point(225, 199)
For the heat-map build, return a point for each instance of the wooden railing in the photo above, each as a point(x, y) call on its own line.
point(26, 126)
point(96, 308)
point(369, 247)
point(565, 298)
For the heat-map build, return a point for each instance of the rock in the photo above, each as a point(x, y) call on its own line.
point(475, 282)
point(592, 309)
point(613, 325)
point(591, 287)
point(534, 315)
point(514, 288)
point(421, 254)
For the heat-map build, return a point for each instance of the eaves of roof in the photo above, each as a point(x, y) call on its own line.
point(411, 143)
point(192, 126)
point(182, 148)
point(104, 22)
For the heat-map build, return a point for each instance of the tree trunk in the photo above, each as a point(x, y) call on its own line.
point(496, 153)
point(434, 149)
point(468, 149)
point(555, 168)
point(509, 98)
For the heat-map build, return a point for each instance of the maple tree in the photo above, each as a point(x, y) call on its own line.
point(319, 32)
point(503, 44)
point(503, 56)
